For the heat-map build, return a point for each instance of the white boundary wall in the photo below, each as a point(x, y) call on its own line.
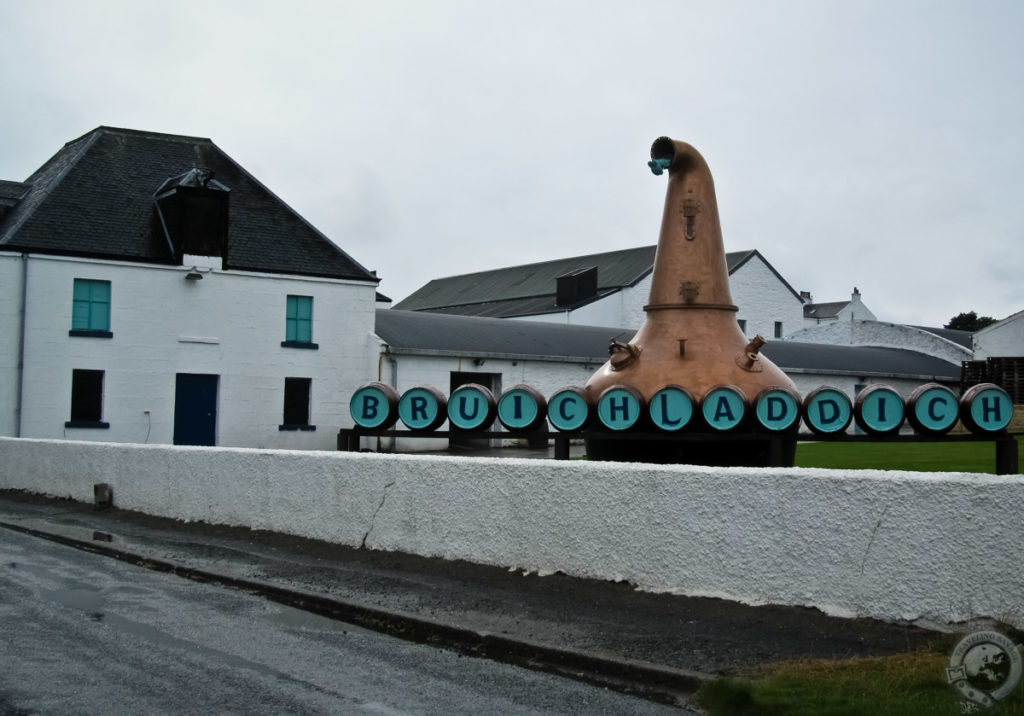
point(893, 545)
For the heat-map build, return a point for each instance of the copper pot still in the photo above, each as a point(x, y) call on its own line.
point(690, 336)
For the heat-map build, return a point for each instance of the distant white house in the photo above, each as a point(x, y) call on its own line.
point(836, 311)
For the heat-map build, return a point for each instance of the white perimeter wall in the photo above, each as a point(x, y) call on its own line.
point(891, 545)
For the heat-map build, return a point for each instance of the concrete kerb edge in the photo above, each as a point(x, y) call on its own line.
point(653, 682)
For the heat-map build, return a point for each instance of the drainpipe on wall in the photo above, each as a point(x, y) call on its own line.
point(21, 345)
point(389, 356)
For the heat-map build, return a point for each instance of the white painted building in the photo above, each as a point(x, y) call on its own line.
point(145, 301)
point(1001, 339)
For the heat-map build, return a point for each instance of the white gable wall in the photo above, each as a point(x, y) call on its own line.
point(10, 298)
point(763, 299)
point(229, 324)
point(1002, 339)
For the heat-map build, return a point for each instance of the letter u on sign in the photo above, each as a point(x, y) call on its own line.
point(471, 407)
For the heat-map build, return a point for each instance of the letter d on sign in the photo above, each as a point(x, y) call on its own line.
point(777, 409)
point(827, 410)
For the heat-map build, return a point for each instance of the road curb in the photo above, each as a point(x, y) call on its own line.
point(646, 680)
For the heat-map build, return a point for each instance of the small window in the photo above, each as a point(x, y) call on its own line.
point(296, 404)
point(86, 400)
point(743, 325)
point(299, 323)
point(778, 329)
point(90, 313)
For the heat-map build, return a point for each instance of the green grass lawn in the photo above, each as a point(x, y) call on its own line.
point(923, 457)
point(913, 683)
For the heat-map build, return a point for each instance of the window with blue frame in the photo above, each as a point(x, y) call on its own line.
point(90, 312)
point(299, 322)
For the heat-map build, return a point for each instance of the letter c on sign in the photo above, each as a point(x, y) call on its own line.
point(570, 409)
point(932, 409)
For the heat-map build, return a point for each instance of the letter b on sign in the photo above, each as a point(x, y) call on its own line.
point(374, 406)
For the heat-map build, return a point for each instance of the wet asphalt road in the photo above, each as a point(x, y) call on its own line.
point(84, 634)
point(658, 645)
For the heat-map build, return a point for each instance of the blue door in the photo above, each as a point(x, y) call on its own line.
point(195, 409)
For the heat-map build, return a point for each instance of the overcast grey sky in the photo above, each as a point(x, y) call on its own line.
point(869, 144)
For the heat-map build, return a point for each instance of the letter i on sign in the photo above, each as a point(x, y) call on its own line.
point(521, 408)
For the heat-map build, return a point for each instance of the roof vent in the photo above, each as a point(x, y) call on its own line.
point(576, 286)
point(193, 209)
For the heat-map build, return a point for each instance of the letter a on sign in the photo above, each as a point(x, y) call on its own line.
point(724, 407)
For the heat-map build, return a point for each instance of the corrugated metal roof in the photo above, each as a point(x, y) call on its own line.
point(472, 336)
point(427, 333)
point(824, 310)
point(95, 198)
point(961, 338)
point(529, 289)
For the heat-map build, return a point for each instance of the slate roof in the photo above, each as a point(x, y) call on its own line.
point(961, 338)
point(824, 311)
point(529, 290)
point(426, 333)
point(94, 198)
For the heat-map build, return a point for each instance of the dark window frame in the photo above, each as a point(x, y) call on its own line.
point(87, 399)
point(298, 398)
